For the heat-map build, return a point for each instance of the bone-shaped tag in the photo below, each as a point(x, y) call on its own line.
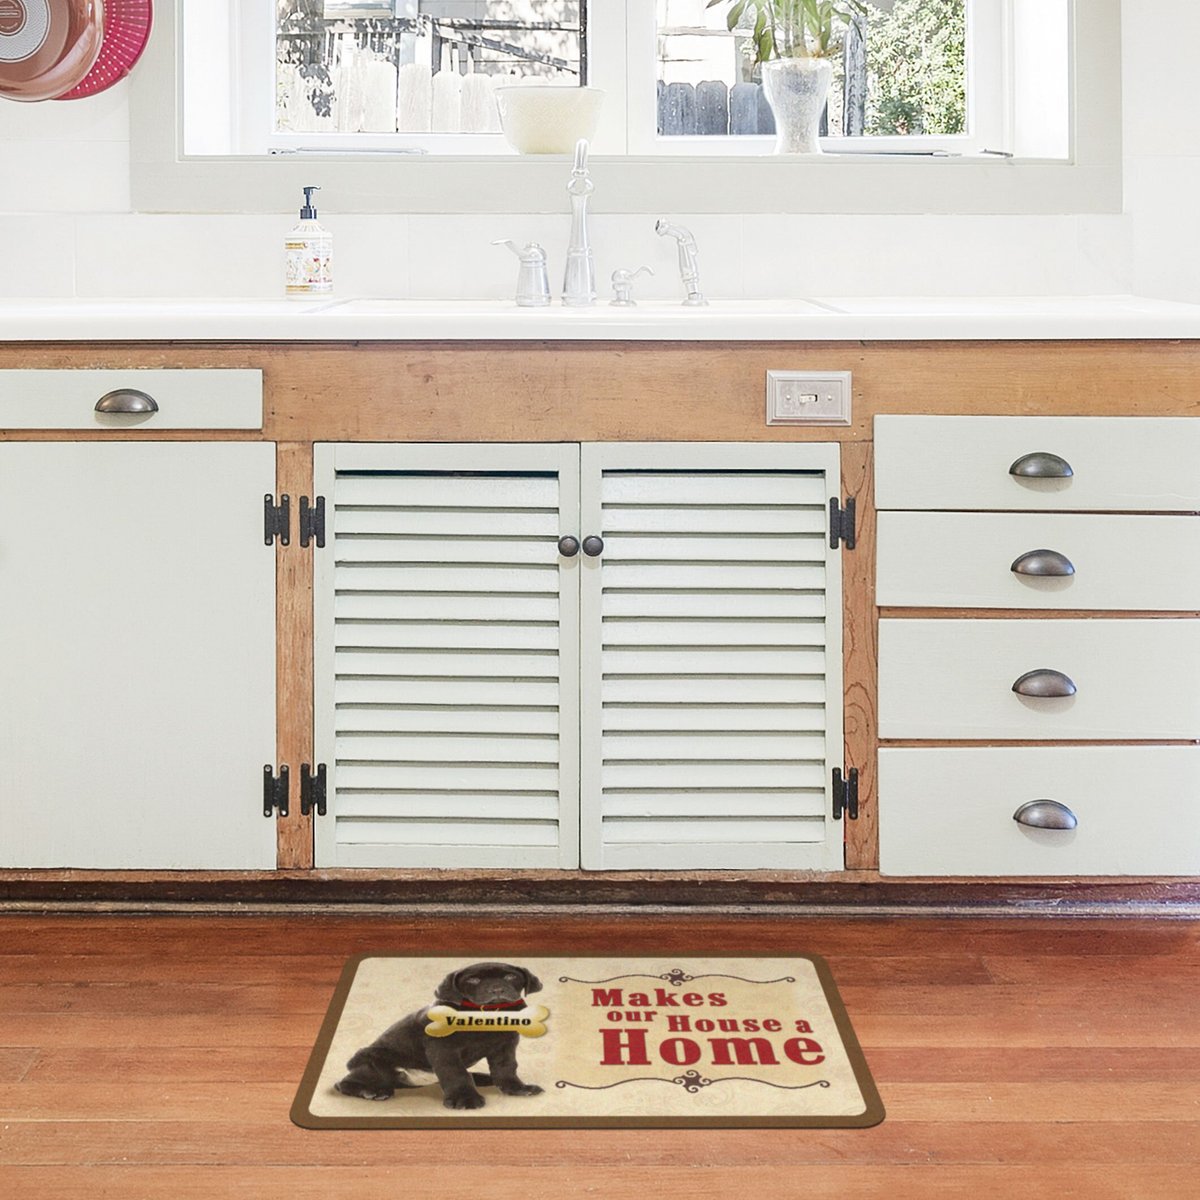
point(528, 1022)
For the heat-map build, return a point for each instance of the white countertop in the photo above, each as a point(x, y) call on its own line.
point(381, 319)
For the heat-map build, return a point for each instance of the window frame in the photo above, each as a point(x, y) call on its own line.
point(621, 39)
point(165, 179)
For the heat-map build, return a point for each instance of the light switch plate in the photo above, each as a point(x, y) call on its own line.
point(808, 397)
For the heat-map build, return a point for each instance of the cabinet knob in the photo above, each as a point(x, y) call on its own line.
point(1045, 683)
point(568, 546)
point(1046, 814)
point(593, 546)
point(126, 400)
point(1043, 562)
point(1041, 465)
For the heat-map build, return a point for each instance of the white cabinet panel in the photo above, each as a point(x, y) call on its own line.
point(447, 641)
point(137, 655)
point(711, 662)
point(1118, 464)
point(964, 560)
point(954, 679)
point(950, 811)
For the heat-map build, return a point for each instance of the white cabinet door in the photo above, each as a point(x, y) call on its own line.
point(137, 655)
point(711, 657)
point(446, 645)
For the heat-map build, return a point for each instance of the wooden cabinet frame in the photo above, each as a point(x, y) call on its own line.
point(597, 391)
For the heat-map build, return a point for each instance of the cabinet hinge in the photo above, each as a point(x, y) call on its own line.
point(845, 795)
point(312, 521)
point(312, 790)
point(275, 791)
point(277, 521)
point(841, 523)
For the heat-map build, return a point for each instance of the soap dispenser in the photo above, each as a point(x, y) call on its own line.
point(309, 254)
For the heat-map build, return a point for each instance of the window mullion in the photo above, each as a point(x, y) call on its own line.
point(641, 65)
point(609, 71)
point(254, 94)
point(989, 74)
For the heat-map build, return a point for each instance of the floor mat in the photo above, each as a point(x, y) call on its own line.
point(572, 1042)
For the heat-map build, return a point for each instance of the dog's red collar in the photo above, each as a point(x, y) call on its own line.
point(490, 1007)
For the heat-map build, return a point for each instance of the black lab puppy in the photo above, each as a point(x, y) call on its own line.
point(378, 1069)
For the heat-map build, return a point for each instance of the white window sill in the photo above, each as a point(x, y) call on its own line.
point(834, 183)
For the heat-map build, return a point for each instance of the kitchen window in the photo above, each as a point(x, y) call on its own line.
point(417, 76)
point(954, 106)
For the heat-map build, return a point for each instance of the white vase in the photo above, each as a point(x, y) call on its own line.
point(796, 89)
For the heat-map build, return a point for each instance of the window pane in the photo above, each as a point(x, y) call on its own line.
point(910, 77)
point(416, 66)
point(917, 67)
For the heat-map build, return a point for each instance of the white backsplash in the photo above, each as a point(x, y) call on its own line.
point(68, 231)
point(132, 254)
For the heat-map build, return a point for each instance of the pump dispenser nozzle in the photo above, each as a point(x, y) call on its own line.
point(309, 211)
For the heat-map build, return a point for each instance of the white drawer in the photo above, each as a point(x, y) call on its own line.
point(1118, 464)
point(954, 679)
point(213, 398)
point(950, 811)
point(964, 560)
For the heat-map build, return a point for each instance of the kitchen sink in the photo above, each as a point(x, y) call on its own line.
point(659, 310)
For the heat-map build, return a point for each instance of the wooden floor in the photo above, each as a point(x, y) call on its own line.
point(158, 1057)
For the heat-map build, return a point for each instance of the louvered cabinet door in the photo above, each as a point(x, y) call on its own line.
point(446, 649)
point(711, 657)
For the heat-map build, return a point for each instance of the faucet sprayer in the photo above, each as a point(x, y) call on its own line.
point(689, 264)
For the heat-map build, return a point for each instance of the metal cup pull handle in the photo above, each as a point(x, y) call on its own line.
point(1046, 814)
point(127, 401)
point(1041, 465)
point(1046, 563)
point(568, 546)
point(1045, 683)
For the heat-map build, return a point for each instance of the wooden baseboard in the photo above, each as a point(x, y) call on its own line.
point(532, 889)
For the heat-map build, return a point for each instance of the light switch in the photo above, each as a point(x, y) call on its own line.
point(808, 398)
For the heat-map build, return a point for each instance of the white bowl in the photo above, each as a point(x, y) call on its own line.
point(548, 119)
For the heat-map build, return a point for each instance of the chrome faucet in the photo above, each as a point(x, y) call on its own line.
point(689, 265)
point(579, 284)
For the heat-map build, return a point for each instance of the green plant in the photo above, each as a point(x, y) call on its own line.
point(793, 28)
point(917, 59)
